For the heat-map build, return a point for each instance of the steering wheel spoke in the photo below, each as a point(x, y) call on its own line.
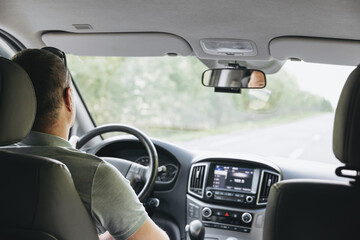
point(138, 172)
point(134, 172)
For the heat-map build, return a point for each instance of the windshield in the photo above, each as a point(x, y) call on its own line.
point(163, 96)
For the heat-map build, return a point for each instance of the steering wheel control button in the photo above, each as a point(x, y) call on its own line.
point(206, 212)
point(209, 194)
point(249, 199)
point(246, 217)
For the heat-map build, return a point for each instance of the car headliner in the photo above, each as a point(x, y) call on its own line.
point(260, 21)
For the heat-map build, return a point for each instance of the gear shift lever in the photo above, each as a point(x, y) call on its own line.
point(196, 230)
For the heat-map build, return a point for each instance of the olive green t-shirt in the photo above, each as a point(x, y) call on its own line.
point(106, 194)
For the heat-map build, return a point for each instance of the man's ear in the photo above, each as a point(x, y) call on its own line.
point(68, 99)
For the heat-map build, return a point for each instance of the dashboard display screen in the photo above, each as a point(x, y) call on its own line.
point(233, 178)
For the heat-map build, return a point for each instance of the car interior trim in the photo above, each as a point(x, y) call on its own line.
point(261, 184)
point(314, 49)
point(119, 44)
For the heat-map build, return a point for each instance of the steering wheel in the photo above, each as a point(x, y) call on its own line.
point(134, 172)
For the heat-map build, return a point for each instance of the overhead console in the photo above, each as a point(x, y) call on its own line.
point(230, 195)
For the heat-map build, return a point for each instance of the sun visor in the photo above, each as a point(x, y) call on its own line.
point(317, 50)
point(118, 44)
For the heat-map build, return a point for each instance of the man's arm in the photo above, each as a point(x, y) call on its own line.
point(149, 231)
point(117, 209)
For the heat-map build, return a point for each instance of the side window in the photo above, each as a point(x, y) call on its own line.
point(6, 50)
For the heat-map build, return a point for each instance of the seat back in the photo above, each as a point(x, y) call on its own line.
point(38, 197)
point(313, 209)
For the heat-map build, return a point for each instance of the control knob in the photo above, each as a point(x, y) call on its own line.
point(249, 199)
point(206, 212)
point(209, 194)
point(246, 217)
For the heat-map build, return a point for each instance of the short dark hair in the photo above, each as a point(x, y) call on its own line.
point(49, 77)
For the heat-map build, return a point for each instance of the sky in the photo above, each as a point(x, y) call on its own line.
point(321, 79)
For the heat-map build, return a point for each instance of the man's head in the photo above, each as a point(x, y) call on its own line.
point(257, 80)
point(51, 81)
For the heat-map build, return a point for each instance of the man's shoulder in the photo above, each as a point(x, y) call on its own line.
point(68, 156)
point(72, 156)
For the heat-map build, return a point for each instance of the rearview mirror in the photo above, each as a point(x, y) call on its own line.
point(234, 78)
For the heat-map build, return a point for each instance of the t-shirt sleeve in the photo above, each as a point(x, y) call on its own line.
point(114, 203)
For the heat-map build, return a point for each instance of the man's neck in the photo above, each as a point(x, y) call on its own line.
point(57, 130)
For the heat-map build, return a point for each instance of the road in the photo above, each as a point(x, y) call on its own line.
point(307, 139)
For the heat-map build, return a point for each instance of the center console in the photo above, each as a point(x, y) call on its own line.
point(229, 196)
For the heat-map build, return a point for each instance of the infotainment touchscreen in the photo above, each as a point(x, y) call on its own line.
point(233, 178)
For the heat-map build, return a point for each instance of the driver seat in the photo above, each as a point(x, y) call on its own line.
point(313, 209)
point(38, 197)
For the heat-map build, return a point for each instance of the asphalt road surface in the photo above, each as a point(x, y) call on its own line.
point(306, 139)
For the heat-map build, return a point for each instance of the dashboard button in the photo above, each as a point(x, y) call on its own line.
point(239, 195)
point(227, 198)
point(209, 194)
point(235, 228)
point(246, 217)
point(249, 199)
point(216, 225)
point(224, 227)
point(218, 197)
point(218, 213)
point(206, 212)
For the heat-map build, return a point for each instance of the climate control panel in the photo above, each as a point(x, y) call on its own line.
point(224, 219)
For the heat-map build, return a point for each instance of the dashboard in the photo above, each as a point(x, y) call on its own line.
point(228, 193)
point(134, 151)
point(229, 196)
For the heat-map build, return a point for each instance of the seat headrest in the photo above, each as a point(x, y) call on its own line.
point(17, 103)
point(346, 134)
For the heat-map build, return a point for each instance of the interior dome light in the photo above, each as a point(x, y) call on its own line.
point(230, 47)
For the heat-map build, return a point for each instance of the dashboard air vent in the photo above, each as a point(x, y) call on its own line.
point(268, 179)
point(197, 180)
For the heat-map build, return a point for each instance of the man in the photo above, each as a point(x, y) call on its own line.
point(257, 80)
point(106, 194)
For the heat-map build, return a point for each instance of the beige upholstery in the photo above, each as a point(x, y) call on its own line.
point(312, 209)
point(346, 136)
point(17, 103)
point(38, 197)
